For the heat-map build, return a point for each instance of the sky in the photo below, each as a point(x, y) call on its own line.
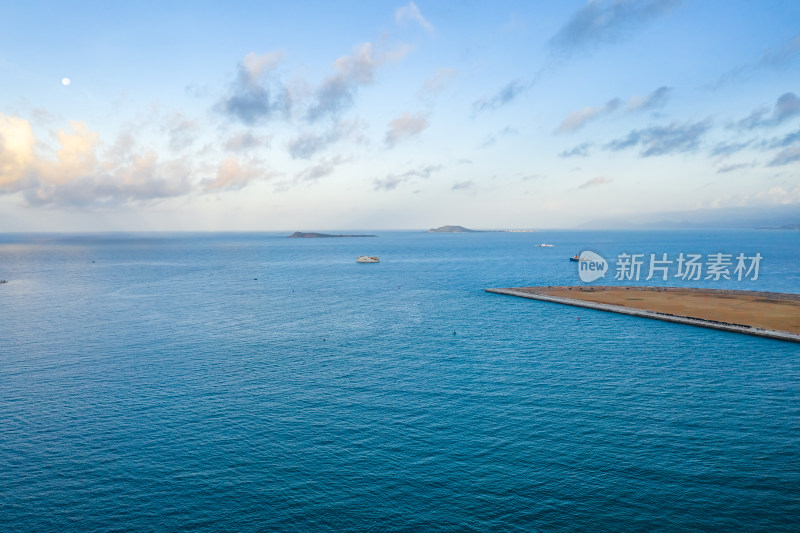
point(284, 116)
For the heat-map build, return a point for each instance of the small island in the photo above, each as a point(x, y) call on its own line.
point(301, 235)
point(452, 229)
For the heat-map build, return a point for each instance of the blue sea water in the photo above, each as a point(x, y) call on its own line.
point(249, 382)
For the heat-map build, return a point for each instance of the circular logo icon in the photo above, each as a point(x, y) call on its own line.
point(591, 266)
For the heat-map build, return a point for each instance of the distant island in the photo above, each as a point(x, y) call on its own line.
point(452, 229)
point(301, 235)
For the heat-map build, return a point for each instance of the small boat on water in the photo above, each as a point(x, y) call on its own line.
point(575, 258)
point(545, 245)
point(367, 259)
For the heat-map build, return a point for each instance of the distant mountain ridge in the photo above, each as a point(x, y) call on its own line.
point(763, 217)
point(794, 227)
point(312, 235)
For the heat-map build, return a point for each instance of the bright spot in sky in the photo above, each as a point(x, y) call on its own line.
point(65, 81)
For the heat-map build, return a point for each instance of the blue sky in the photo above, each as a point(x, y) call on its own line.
point(392, 115)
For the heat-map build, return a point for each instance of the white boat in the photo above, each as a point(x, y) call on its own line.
point(545, 245)
point(368, 259)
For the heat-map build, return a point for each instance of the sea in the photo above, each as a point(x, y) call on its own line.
point(251, 382)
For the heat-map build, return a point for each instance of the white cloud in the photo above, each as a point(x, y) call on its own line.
point(463, 185)
point(493, 137)
point(779, 195)
point(391, 181)
point(733, 168)
point(440, 79)
point(411, 13)
point(777, 59)
point(337, 93)
point(233, 175)
point(182, 130)
point(308, 143)
point(507, 94)
point(786, 108)
point(653, 100)
point(245, 141)
point(257, 65)
point(17, 144)
point(581, 150)
point(405, 127)
point(255, 95)
point(578, 119)
point(660, 140)
point(602, 21)
point(324, 168)
point(786, 156)
point(595, 182)
point(76, 157)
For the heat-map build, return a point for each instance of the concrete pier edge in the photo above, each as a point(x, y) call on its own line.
point(735, 328)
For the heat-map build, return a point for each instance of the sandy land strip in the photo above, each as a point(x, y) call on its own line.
point(774, 315)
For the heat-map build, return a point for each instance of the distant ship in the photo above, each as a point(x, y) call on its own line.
point(575, 258)
point(368, 259)
point(545, 245)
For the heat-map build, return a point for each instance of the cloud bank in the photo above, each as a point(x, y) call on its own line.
point(77, 177)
